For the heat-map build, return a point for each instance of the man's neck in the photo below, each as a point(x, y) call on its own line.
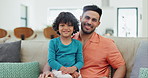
point(85, 37)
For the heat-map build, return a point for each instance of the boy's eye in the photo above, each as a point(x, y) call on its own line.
point(61, 25)
point(70, 25)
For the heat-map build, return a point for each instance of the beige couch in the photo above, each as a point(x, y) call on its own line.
point(128, 48)
point(37, 50)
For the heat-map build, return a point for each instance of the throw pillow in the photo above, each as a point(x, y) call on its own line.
point(140, 60)
point(19, 70)
point(10, 52)
point(143, 73)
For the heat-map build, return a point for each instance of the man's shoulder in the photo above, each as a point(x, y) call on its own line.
point(102, 38)
point(105, 38)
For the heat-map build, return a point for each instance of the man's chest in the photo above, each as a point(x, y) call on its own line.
point(94, 54)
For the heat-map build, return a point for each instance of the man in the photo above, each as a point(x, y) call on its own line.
point(98, 52)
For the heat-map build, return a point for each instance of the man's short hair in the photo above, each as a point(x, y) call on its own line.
point(93, 8)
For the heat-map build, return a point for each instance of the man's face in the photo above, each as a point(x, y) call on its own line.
point(89, 21)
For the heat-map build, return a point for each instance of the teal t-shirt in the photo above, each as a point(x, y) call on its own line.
point(65, 55)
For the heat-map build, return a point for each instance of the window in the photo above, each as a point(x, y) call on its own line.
point(53, 13)
point(24, 16)
point(127, 22)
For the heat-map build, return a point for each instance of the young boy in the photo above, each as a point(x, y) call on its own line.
point(65, 54)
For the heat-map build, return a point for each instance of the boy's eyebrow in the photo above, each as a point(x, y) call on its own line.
point(69, 23)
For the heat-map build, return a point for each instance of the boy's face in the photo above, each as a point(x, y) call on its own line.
point(66, 30)
point(89, 21)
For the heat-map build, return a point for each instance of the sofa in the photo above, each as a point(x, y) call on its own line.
point(37, 50)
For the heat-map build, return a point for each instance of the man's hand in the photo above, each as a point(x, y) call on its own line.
point(46, 75)
point(75, 74)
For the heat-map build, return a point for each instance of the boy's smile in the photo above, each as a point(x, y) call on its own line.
point(66, 30)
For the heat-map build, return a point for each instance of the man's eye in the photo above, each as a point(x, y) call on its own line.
point(87, 17)
point(94, 20)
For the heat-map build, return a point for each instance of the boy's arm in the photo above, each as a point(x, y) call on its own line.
point(79, 57)
point(52, 62)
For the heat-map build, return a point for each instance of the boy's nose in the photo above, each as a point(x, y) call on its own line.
point(66, 26)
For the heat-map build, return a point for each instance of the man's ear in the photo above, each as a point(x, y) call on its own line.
point(98, 23)
point(80, 18)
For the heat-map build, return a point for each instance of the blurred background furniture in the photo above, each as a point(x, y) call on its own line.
point(3, 33)
point(24, 33)
point(50, 33)
point(109, 32)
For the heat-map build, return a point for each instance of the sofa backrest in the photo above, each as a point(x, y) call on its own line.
point(34, 51)
point(38, 50)
point(128, 47)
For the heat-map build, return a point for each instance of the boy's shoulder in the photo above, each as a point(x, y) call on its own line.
point(77, 41)
point(54, 39)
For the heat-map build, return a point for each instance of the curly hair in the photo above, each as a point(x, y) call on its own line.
point(66, 17)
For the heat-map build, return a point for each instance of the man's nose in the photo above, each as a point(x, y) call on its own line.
point(89, 21)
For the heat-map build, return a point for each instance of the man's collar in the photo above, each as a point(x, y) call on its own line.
point(94, 38)
point(77, 36)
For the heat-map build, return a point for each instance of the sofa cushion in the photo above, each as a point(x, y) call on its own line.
point(10, 52)
point(141, 60)
point(19, 70)
point(143, 73)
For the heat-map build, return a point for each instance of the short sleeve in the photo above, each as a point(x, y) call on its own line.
point(114, 56)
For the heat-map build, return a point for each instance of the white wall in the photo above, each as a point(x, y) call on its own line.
point(9, 14)
point(109, 17)
point(41, 7)
point(144, 28)
point(107, 20)
point(37, 13)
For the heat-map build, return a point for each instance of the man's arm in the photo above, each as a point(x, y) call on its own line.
point(46, 68)
point(120, 72)
point(46, 72)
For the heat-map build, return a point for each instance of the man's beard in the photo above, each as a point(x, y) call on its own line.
point(86, 32)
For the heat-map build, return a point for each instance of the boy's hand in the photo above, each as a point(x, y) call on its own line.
point(62, 68)
point(70, 70)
